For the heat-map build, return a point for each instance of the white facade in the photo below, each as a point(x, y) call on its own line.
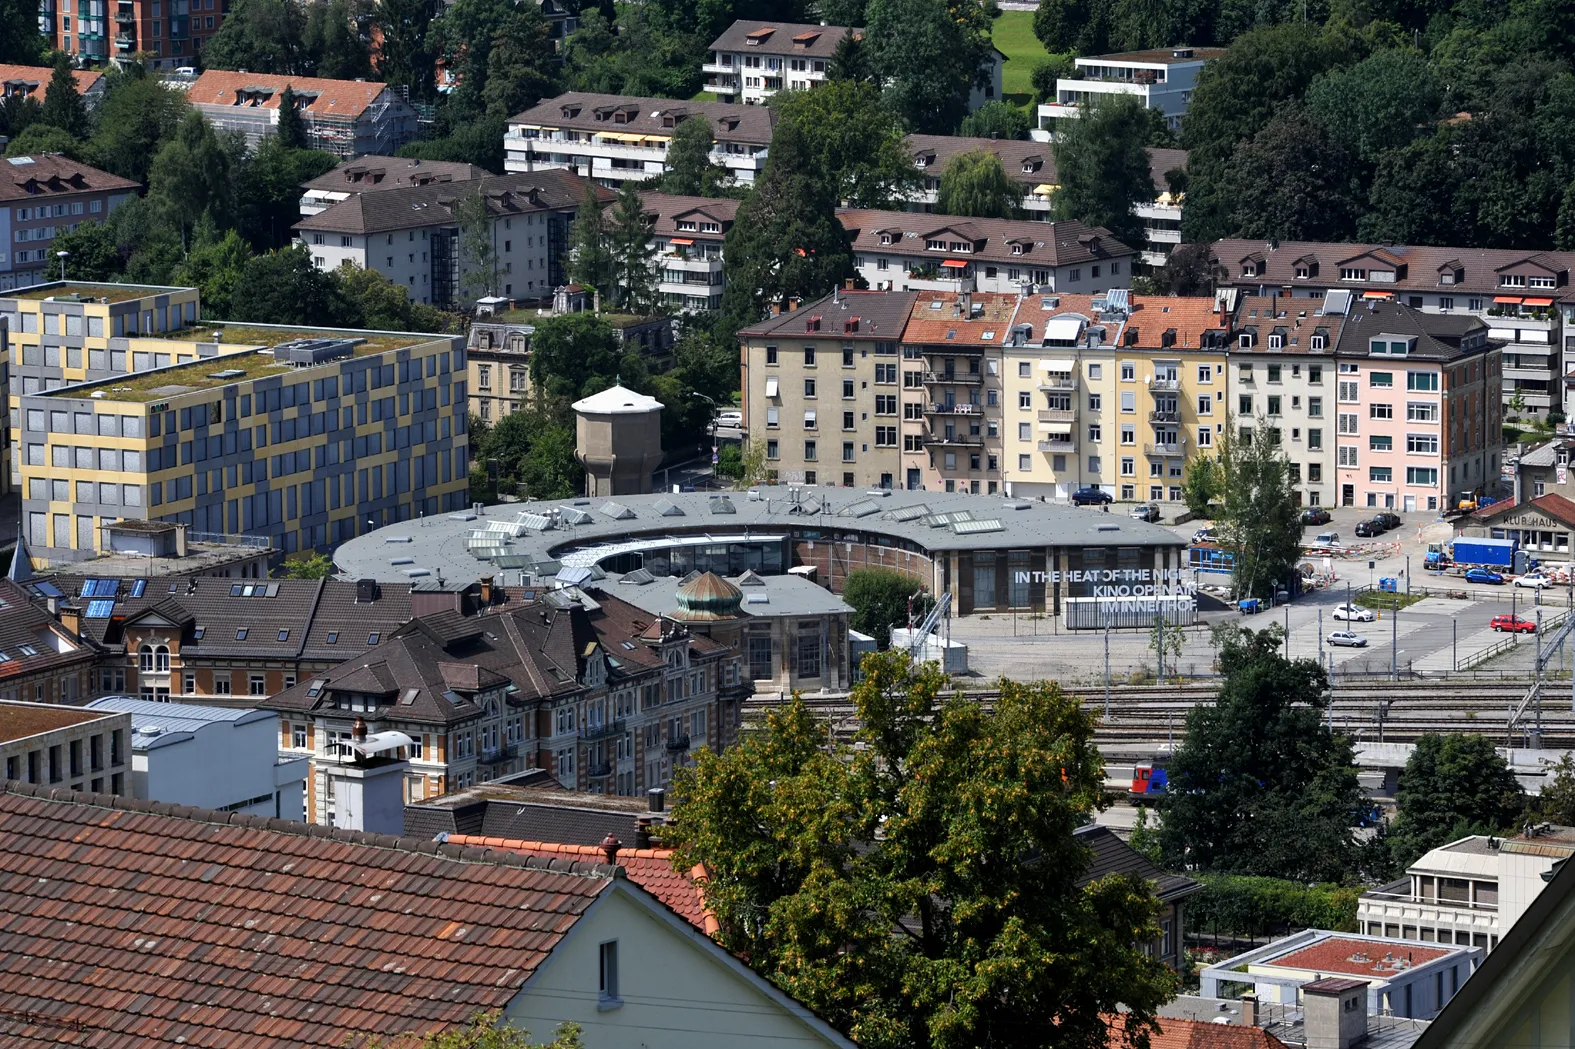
point(211, 757)
point(610, 159)
point(1161, 80)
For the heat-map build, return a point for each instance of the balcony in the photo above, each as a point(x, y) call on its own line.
point(1170, 416)
point(1058, 447)
point(678, 744)
point(1058, 415)
point(499, 755)
point(1167, 385)
point(591, 733)
point(1161, 450)
point(601, 770)
point(947, 378)
point(944, 351)
point(125, 17)
point(955, 440)
point(1063, 381)
point(1402, 908)
point(954, 409)
point(694, 263)
point(712, 65)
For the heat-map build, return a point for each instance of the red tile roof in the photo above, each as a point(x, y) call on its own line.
point(651, 869)
point(39, 76)
point(132, 923)
point(1195, 1034)
point(1368, 958)
point(1556, 506)
point(333, 98)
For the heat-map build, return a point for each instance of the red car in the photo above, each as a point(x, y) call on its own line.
point(1514, 624)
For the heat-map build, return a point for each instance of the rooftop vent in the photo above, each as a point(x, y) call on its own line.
point(302, 353)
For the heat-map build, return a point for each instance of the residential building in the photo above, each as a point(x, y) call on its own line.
point(347, 117)
point(1470, 891)
point(686, 234)
point(1439, 438)
point(370, 174)
point(831, 376)
point(533, 806)
point(211, 758)
point(580, 942)
point(1523, 296)
point(909, 251)
point(41, 660)
point(605, 696)
point(1406, 978)
point(1112, 856)
point(753, 60)
point(1543, 525)
point(499, 359)
point(413, 236)
point(167, 35)
point(611, 139)
point(33, 82)
point(1032, 166)
point(252, 437)
point(60, 746)
point(1283, 368)
point(1162, 79)
point(59, 334)
point(1540, 470)
point(43, 196)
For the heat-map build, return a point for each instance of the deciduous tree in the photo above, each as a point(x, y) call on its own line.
point(1102, 165)
point(135, 117)
point(880, 599)
point(191, 173)
point(854, 140)
point(478, 248)
point(995, 120)
point(1452, 785)
point(976, 184)
point(1262, 529)
point(284, 287)
point(1557, 799)
point(928, 53)
point(1294, 181)
point(574, 356)
point(335, 43)
point(690, 171)
point(215, 266)
point(260, 36)
point(407, 50)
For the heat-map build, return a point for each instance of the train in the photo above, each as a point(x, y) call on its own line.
point(1149, 780)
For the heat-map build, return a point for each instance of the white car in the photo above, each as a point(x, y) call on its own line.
point(1355, 613)
point(1326, 541)
point(1346, 639)
point(1535, 580)
point(730, 419)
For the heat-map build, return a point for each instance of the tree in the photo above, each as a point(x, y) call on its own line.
point(589, 262)
point(260, 36)
point(134, 118)
point(469, 33)
point(533, 453)
point(929, 54)
point(406, 52)
point(850, 60)
point(754, 467)
point(94, 255)
point(786, 240)
point(20, 41)
point(854, 141)
point(63, 105)
point(267, 190)
point(1048, 73)
point(336, 46)
point(308, 566)
point(215, 266)
point(995, 120)
point(1202, 485)
point(191, 173)
point(1452, 785)
point(1073, 26)
point(521, 69)
point(1379, 103)
point(925, 889)
point(1294, 181)
point(549, 470)
point(1187, 271)
point(487, 1031)
point(284, 287)
point(291, 129)
point(1167, 641)
point(976, 184)
point(478, 249)
point(629, 234)
point(44, 138)
point(479, 142)
point(690, 171)
point(1557, 800)
point(1262, 529)
point(1103, 167)
point(378, 303)
point(1259, 785)
point(573, 356)
point(882, 598)
point(17, 113)
point(1411, 198)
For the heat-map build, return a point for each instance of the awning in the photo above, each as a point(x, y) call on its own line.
point(614, 136)
point(771, 386)
point(954, 264)
point(1513, 300)
point(1378, 294)
point(682, 240)
point(1063, 329)
point(1062, 428)
point(1537, 302)
point(809, 419)
point(1057, 366)
point(1044, 189)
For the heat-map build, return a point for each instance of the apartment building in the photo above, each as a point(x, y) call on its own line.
point(499, 358)
point(753, 60)
point(1438, 438)
point(304, 436)
point(414, 238)
point(824, 387)
point(686, 234)
point(33, 82)
point(1283, 369)
point(614, 138)
point(166, 34)
point(41, 659)
point(43, 196)
point(1523, 296)
point(1161, 78)
point(76, 749)
point(370, 174)
point(911, 251)
point(347, 117)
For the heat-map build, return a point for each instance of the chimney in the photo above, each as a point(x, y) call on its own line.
point(486, 591)
point(1334, 1013)
point(610, 846)
point(656, 799)
point(358, 730)
point(1249, 1009)
point(642, 833)
point(71, 619)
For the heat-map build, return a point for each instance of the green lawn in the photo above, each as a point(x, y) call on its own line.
point(1013, 33)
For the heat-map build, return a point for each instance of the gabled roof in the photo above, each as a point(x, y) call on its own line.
point(1558, 507)
point(1300, 318)
point(1478, 268)
point(35, 79)
point(667, 208)
point(1028, 163)
point(1439, 336)
point(657, 117)
point(152, 924)
point(41, 176)
point(782, 38)
point(1048, 243)
point(343, 99)
point(1114, 856)
point(413, 207)
point(881, 315)
point(370, 172)
point(1195, 1034)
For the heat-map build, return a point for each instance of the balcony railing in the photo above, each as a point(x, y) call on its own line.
point(945, 439)
point(1165, 416)
point(1408, 900)
point(945, 378)
point(678, 743)
point(1058, 415)
point(1058, 446)
point(1058, 382)
point(600, 770)
point(1164, 386)
point(498, 755)
point(1162, 449)
point(591, 733)
point(953, 409)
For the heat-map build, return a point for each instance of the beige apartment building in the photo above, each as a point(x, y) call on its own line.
point(81, 750)
point(824, 387)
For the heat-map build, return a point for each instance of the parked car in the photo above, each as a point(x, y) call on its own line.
point(730, 419)
point(1513, 624)
point(1316, 515)
point(1346, 639)
point(1355, 613)
point(1091, 497)
point(1207, 535)
point(1482, 575)
point(1146, 512)
point(1368, 529)
point(1326, 540)
point(1534, 580)
point(1390, 521)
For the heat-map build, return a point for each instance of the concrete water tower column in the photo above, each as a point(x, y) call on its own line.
point(618, 439)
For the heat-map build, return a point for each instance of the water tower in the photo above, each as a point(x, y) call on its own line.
point(618, 439)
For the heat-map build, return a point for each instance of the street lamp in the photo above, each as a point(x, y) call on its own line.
point(715, 453)
point(62, 256)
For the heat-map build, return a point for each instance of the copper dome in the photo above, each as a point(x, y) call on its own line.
point(708, 598)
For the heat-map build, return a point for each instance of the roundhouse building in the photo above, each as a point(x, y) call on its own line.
point(992, 554)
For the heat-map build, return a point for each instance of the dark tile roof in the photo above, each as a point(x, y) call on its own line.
point(1114, 856)
point(666, 208)
point(782, 38)
point(881, 315)
point(1439, 336)
point(44, 176)
point(371, 172)
point(26, 630)
point(1041, 243)
point(127, 922)
point(583, 111)
point(1297, 320)
point(532, 813)
point(1030, 163)
point(415, 206)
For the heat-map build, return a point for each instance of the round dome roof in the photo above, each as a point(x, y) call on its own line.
point(708, 597)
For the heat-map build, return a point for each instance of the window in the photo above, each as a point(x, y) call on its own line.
point(1128, 434)
point(1025, 400)
point(1274, 373)
point(1380, 474)
point(1422, 381)
point(1025, 431)
point(1205, 404)
point(1421, 443)
point(1244, 404)
point(1274, 405)
point(1025, 463)
point(1315, 407)
point(1347, 454)
point(1381, 380)
point(1375, 443)
point(1095, 371)
point(1128, 466)
point(240, 633)
point(1314, 438)
point(1095, 402)
point(1024, 370)
point(607, 981)
point(810, 451)
point(1128, 372)
point(1094, 433)
point(1426, 476)
point(257, 685)
point(1205, 373)
point(1380, 411)
point(771, 355)
point(809, 387)
point(1205, 437)
point(809, 356)
point(1421, 412)
point(1347, 422)
point(1128, 402)
point(221, 684)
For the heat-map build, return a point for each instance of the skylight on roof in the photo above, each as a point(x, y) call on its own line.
point(333, 637)
point(240, 633)
point(139, 588)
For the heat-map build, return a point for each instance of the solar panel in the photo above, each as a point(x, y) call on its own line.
point(100, 609)
point(976, 527)
point(48, 590)
point(99, 587)
point(139, 587)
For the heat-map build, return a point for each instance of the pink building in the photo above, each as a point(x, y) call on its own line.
point(1417, 408)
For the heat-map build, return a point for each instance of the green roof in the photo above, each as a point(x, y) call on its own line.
point(112, 292)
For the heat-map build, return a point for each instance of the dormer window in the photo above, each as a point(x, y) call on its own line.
point(934, 245)
point(1276, 341)
point(710, 227)
point(1316, 342)
point(885, 239)
point(1302, 272)
point(1245, 341)
point(1511, 280)
point(1540, 282)
point(1447, 277)
point(1249, 269)
point(1017, 248)
point(686, 225)
point(1391, 346)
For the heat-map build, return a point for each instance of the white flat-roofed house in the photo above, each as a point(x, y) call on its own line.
point(1161, 78)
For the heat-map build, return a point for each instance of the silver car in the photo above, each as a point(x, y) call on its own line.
point(1346, 639)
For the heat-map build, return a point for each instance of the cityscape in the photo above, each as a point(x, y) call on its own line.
point(899, 524)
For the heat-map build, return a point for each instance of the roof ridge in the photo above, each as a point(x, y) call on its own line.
point(392, 842)
point(493, 841)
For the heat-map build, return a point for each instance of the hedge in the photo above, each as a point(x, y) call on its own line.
point(1239, 906)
